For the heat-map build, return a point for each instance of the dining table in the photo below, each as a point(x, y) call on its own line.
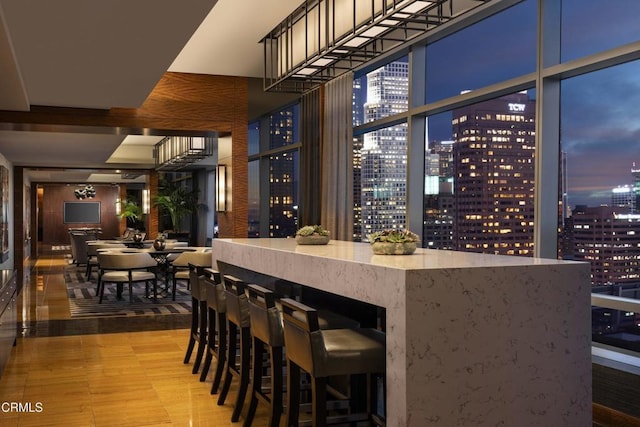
point(162, 259)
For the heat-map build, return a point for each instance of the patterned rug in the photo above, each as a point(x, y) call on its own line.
point(83, 301)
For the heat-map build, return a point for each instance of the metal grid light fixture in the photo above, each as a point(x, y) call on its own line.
point(324, 38)
point(177, 152)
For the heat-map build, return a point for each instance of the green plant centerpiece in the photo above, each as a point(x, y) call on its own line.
point(312, 235)
point(393, 242)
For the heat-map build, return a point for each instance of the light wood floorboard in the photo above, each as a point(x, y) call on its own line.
point(116, 379)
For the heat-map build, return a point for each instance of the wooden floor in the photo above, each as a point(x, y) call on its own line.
point(62, 375)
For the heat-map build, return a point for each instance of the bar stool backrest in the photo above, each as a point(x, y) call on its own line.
point(237, 301)
point(216, 298)
point(266, 322)
point(196, 277)
point(202, 259)
point(301, 333)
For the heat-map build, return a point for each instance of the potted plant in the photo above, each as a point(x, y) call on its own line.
point(176, 201)
point(393, 242)
point(312, 235)
point(130, 210)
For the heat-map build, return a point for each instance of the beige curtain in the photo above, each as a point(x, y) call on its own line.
point(337, 158)
point(310, 119)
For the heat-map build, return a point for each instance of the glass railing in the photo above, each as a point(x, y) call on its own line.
point(615, 321)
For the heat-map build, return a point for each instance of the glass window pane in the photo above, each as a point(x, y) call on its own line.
point(382, 179)
point(479, 177)
point(381, 93)
point(284, 127)
point(254, 198)
point(254, 138)
point(601, 149)
point(592, 26)
point(283, 194)
point(498, 48)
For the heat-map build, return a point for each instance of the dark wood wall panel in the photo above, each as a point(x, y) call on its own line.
point(56, 232)
point(179, 102)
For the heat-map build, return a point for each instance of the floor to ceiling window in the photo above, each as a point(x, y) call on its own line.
point(380, 164)
point(253, 199)
point(529, 133)
point(274, 143)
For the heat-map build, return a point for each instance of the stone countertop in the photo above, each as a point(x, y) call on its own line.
point(472, 339)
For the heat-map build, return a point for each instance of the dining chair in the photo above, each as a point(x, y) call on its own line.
point(92, 254)
point(129, 268)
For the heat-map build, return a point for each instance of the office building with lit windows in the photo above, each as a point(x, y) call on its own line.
point(282, 174)
point(624, 196)
point(494, 168)
point(383, 172)
point(438, 197)
point(609, 239)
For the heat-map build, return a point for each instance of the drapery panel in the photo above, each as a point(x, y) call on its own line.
point(337, 158)
point(310, 153)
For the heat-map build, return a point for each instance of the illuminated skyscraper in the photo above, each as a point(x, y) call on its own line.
point(494, 175)
point(608, 238)
point(624, 196)
point(283, 185)
point(438, 196)
point(384, 152)
point(635, 172)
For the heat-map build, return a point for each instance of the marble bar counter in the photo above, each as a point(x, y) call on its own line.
point(472, 339)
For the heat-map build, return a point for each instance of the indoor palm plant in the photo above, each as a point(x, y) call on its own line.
point(132, 212)
point(175, 200)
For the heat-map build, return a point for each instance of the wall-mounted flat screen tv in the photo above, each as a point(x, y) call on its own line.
point(81, 213)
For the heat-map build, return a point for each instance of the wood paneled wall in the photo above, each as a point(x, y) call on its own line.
point(55, 231)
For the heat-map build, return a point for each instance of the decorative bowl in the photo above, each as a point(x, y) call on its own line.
point(159, 245)
point(391, 248)
point(312, 240)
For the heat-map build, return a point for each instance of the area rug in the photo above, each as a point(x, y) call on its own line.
point(83, 301)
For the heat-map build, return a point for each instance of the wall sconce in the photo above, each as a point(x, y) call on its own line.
point(145, 201)
point(118, 206)
point(221, 191)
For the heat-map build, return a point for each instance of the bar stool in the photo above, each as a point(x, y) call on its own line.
point(238, 323)
point(266, 330)
point(198, 332)
point(323, 354)
point(267, 334)
point(216, 328)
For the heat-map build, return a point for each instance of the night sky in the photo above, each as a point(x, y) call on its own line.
point(600, 111)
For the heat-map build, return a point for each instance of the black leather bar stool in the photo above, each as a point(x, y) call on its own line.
point(198, 332)
point(217, 327)
point(323, 354)
point(267, 334)
point(238, 324)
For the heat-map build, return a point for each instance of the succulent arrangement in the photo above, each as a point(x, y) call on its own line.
point(312, 230)
point(393, 236)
